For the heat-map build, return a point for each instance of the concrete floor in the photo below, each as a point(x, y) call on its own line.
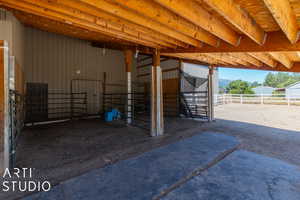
point(146, 176)
point(61, 151)
point(69, 149)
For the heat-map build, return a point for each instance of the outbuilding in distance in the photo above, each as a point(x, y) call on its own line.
point(264, 90)
point(293, 90)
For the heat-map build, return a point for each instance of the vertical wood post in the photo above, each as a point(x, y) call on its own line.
point(210, 94)
point(157, 121)
point(128, 64)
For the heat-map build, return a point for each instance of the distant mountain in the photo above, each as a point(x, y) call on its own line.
point(223, 83)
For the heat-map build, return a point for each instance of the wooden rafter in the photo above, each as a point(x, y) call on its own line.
point(265, 58)
point(247, 58)
point(123, 13)
point(282, 58)
point(83, 8)
point(238, 17)
point(285, 17)
point(168, 18)
point(192, 11)
point(76, 21)
point(275, 41)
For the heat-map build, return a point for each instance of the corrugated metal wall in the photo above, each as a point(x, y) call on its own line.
point(56, 60)
point(165, 65)
point(12, 31)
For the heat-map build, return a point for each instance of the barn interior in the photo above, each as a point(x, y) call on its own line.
point(111, 74)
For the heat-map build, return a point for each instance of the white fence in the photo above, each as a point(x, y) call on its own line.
point(257, 99)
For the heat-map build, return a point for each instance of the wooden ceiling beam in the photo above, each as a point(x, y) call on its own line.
point(129, 15)
point(275, 41)
point(280, 67)
point(265, 58)
point(285, 17)
point(168, 18)
point(74, 4)
point(192, 11)
point(39, 11)
point(282, 58)
point(221, 58)
point(238, 17)
point(93, 19)
point(247, 58)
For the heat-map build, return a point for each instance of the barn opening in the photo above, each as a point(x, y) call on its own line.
point(75, 104)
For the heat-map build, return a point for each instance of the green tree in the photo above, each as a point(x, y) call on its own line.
point(281, 79)
point(255, 84)
point(239, 87)
point(270, 80)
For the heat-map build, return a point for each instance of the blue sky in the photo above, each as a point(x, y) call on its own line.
point(243, 74)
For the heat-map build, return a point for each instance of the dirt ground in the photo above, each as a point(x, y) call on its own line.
point(272, 130)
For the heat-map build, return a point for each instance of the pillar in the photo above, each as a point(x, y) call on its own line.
point(210, 94)
point(4, 109)
point(128, 64)
point(157, 120)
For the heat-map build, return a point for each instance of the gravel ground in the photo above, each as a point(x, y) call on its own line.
point(271, 130)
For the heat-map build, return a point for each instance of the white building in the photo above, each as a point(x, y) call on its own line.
point(293, 90)
point(264, 90)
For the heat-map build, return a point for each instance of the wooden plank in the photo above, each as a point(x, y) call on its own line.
point(123, 13)
point(265, 58)
point(192, 11)
point(128, 60)
point(275, 41)
point(168, 18)
point(282, 58)
point(238, 17)
point(78, 7)
point(247, 58)
point(39, 11)
point(279, 67)
point(285, 17)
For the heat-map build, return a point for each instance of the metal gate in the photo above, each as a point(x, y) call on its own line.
point(94, 94)
point(16, 110)
point(193, 96)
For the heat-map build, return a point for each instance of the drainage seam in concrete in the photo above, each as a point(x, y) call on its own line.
point(196, 172)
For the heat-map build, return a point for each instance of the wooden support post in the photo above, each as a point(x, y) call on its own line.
point(210, 94)
point(157, 121)
point(128, 64)
point(4, 109)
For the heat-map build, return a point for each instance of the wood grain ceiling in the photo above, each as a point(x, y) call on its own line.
point(260, 34)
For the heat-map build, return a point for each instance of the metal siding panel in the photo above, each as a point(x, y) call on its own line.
point(54, 59)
